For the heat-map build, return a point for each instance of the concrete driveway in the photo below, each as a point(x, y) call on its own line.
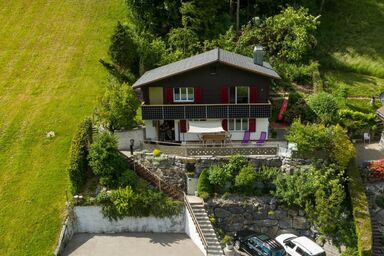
point(133, 244)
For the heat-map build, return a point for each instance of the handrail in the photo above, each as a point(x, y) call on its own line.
point(215, 104)
point(277, 144)
point(197, 225)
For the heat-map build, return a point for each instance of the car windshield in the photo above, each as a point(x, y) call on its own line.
point(320, 254)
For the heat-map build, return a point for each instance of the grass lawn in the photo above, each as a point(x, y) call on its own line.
point(50, 79)
point(350, 40)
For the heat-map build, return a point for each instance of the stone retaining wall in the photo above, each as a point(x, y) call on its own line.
point(261, 214)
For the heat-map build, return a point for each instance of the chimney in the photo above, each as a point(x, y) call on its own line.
point(258, 55)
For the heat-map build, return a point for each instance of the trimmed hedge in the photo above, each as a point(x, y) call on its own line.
point(362, 218)
point(78, 163)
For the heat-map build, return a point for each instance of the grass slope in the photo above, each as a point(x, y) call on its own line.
point(50, 79)
point(351, 46)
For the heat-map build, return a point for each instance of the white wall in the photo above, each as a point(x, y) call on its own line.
point(124, 137)
point(191, 231)
point(91, 220)
point(150, 130)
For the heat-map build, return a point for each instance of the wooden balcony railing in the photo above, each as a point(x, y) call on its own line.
point(206, 111)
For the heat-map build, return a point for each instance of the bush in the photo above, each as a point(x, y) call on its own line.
point(355, 121)
point(221, 178)
point(105, 160)
point(203, 185)
point(360, 206)
point(78, 163)
point(126, 202)
point(245, 180)
point(128, 178)
point(324, 105)
point(156, 152)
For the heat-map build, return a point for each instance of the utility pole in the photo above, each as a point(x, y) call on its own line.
point(237, 16)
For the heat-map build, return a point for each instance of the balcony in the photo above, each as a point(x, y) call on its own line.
point(206, 111)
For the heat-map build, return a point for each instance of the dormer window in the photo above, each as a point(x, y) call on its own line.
point(183, 94)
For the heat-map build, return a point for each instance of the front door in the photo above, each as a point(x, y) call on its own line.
point(167, 130)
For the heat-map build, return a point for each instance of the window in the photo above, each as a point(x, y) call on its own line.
point(301, 252)
point(238, 124)
point(183, 94)
point(239, 94)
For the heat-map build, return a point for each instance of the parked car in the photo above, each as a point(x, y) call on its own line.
point(256, 244)
point(299, 246)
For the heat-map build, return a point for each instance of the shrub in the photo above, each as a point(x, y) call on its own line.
point(324, 105)
point(361, 215)
point(126, 202)
point(156, 152)
point(105, 160)
point(221, 178)
point(128, 178)
point(245, 180)
point(78, 163)
point(227, 239)
point(203, 185)
point(355, 121)
point(235, 164)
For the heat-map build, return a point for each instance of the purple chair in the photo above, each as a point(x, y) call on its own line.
point(261, 140)
point(246, 137)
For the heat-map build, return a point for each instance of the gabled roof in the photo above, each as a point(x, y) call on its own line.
point(212, 56)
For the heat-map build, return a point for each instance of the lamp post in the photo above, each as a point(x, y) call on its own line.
point(131, 143)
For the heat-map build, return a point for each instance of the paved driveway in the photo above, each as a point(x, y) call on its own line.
point(133, 244)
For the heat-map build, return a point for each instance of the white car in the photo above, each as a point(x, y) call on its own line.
point(299, 246)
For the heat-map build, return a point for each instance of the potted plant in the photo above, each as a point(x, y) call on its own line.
point(228, 250)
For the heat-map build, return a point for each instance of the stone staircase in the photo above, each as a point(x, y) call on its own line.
point(377, 248)
point(214, 247)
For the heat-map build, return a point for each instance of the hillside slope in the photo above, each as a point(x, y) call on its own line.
point(50, 79)
point(351, 47)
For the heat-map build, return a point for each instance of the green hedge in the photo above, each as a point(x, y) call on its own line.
point(362, 218)
point(78, 163)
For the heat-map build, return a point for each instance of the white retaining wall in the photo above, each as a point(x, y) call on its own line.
point(124, 137)
point(190, 230)
point(67, 232)
point(90, 220)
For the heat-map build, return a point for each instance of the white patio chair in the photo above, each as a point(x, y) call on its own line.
point(367, 137)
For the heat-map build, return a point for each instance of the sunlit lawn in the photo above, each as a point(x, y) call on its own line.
point(50, 79)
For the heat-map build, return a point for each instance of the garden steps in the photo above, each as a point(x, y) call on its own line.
point(214, 247)
point(377, 243)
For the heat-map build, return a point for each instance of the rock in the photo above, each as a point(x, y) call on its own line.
point(292, 212)
point(300, 223)
point(235, 209)
point(301, 213)
point(221, 213)
point(266, 223)
point(285, 224)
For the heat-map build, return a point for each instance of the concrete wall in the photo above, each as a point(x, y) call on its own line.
point(68, 230)
point(124, 138)
point(91, 220)
point(150, 130)
point(191, 231)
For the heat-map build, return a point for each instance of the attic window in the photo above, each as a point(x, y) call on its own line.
point(212, 70)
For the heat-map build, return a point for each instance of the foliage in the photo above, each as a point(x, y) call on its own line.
point(319, 190)
point(380, 200)
point(126, 202)
point(298, 72)
point(184, 40)
point(356, 121)
point(203, 185)
point(129, 178)
point(235, 164)
point(227, 239)
point(315, 139)
point(360, 210)
point(324, 105)
point(78, 163)
point(221, 178)
point(105, 160)
point(298, 109)
point(156, 152)
point(118, 107)
point(245, 180)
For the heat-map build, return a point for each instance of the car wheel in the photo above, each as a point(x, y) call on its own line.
point(237, 245)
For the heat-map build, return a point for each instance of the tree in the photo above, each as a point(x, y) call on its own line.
point(105, 160)
point(118, 107)
point(324, 105)
point(184, 40)
point(245, 180)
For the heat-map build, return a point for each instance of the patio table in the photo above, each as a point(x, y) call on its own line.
point(214, 137)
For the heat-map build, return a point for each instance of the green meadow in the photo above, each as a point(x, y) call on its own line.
point(50, 79)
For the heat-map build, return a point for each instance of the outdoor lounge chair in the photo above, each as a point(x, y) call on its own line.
point(246, 137)
point(261, 140)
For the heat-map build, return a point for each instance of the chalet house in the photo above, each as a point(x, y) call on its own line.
point(213, 91)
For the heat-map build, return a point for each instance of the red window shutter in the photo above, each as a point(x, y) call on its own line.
point(224, 123)
point(168, 95)
point(253, 94)
point(183, 126)
point(224, 95)
point(252, 125)
point(198, 94)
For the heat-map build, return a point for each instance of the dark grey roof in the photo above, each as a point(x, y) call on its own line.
point(215, 55)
